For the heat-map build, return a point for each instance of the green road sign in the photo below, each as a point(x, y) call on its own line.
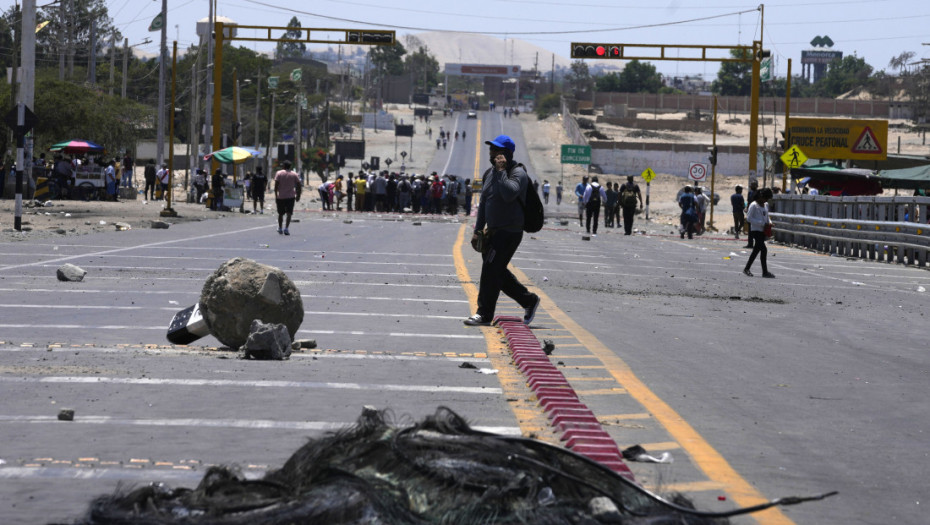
point(273, 82)
point(574, 154)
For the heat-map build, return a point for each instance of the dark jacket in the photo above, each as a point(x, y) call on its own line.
point(502, 194)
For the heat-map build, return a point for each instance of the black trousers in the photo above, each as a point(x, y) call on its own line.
point(758, 248)
point(628, 212)
point(594, 209)
point(496, 278)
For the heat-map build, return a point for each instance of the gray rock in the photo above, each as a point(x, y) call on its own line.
point(604, 510)
point(242, 290)
point(122, 226)
point(70, 272)
point(160, 225)
point(66, 415)
point(305, 343)
point(266, 341)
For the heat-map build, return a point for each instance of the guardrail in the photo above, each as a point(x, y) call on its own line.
point(864, 227)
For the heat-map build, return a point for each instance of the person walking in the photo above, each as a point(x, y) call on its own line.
point(609, 204)
point(558, 193)
point(750, 198)
point(164, 178)
point(579, 192)
point(629, 193)
point(361, 188)
point(149, 172)
point(758, 218)
point(701, 202)
point(287, 188)
point(500, 212)
point(259, 186)
point(594, 195)
point(546, 188)
point(350, 191)
point(112, 182)
point(218, 185)
point(688, 212)
point(128, 175)
point(738, 204)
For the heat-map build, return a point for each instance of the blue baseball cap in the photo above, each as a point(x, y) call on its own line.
point(503, 142)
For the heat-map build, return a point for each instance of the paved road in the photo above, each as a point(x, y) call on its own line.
point(811, 382)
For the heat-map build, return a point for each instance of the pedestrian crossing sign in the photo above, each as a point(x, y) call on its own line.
point(648, 175)
point(794, 157)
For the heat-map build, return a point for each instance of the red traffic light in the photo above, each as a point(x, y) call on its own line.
point(586, 50)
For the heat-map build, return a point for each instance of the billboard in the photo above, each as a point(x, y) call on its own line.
point(350, 149)
point(482, 70)
point(403, 130)
point(814, 56)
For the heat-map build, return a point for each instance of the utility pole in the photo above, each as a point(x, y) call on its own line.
point(208, 105)
point(92, 54)
point(258, 108)
point(270, 137)
point(169, 211)
point(194, 139)
point(26, 99)
point(163, 59)
point(125, 66)
point(61, 35)
point(70, 38)
point(112, 61)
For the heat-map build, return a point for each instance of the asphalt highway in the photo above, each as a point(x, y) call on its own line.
point(758, 388)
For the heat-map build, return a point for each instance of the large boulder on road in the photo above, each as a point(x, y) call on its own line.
point(241, 291)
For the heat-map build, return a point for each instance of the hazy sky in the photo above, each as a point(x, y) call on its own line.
point(876, 30)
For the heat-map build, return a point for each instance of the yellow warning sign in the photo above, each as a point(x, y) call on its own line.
point(834, 138)
point(648, 175)
point(794, 157)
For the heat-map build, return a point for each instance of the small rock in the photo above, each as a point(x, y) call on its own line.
point(305, 343)
point(466, 364)
point(66, 415)
point(604, 510)
point(548, 346)
point(347, 221)
point(267, 341)
point(417, 223)
point(61, 231)
point(160, 225)
point(121, 226)
point(70, 272)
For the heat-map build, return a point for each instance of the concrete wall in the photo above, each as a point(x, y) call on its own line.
point(665, 125)
point(769, 105)
point(675, 159)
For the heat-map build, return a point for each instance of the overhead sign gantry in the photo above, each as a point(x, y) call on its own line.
point(364, 37)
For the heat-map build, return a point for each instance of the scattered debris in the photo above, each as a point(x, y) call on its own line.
point(266, 341)
point(187, 326)
point(70, 272)
point(303, 343)
point(242, 290)
point(121, 226)
point(638, 453)
point(417, 223)
point(66, 414)
point(466, 364)
point(437, 470)
point(585, 237)
point(548, 346)
point(160, 225)
point(347, 221)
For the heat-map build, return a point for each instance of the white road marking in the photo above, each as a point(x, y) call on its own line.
point(101, 380)
point(162, 329)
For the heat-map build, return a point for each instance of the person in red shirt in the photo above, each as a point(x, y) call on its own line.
point(287, 189)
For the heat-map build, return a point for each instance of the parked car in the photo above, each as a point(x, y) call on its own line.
point(472, 114)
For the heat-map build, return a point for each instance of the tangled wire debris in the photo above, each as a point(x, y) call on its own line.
point(436, 471)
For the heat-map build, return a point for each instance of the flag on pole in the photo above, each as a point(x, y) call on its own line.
point(157, 23)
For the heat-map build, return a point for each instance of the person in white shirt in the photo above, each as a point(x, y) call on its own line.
point(758, 219)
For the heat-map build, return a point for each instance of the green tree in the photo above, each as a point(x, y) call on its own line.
point(640, 77)
point(734, 78)
point(548, 104)
point(843, 75)
point(387, 60)
point(579, 80)
point(424, 68)
point(287, 50)
point(609, 83)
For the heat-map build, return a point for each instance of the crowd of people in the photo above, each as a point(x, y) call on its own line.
point(612, 196)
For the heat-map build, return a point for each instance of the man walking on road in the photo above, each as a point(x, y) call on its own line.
point(501, 211)
point(594, 195)
point(286, 191)
point(579, 192)
point(738, 204)
point(629, 193)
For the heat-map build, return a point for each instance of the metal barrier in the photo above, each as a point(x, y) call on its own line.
point(875, 228)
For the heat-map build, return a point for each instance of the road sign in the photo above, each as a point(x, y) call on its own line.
point(648, 175)
point(697, 171)
point(296, 75)
point(832, 138)
point(794, 157)
point(273, 82)
point(12, 119)
point(575, 154)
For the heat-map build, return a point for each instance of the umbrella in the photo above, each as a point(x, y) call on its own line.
point(232, 155)
point(77, 146)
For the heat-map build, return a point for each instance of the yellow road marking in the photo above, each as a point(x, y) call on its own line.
point(705, 457)
point(693, 486)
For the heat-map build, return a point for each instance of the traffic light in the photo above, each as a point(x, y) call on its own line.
point(585, 50)
point(713, 156)
point(782, 143)
point(370, 37)
point(763, 53)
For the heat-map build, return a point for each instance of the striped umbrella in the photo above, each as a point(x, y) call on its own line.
point(232, 155)
point(77, 146)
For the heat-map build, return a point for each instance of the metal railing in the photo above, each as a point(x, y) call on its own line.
point(891, 229)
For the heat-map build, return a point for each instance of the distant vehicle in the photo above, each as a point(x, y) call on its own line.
point(472, 114)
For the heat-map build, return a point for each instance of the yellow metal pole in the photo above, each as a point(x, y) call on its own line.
point(169, 211)
point(217, 92)
point(754, 109)
point(784, 175)
point(713, 169)
point(235, 140)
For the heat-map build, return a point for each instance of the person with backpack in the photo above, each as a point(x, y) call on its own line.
point(594, 195)
point(689, 214)
point(629, 193)
point(501, 213)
